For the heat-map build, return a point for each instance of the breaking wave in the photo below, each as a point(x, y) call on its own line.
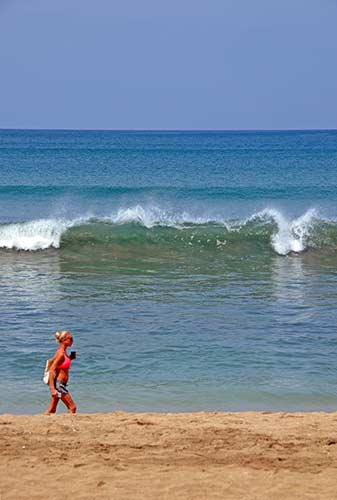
point(140, 226)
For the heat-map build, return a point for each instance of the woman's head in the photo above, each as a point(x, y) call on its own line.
point(64, 336)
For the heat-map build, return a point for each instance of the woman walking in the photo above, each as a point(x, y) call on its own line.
point(59, 373)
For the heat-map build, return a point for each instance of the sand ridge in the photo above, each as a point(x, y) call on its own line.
point(247, 455)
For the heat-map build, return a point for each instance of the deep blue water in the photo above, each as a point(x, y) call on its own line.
point(197, 270)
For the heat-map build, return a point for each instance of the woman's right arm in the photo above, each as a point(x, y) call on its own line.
point(57, 360)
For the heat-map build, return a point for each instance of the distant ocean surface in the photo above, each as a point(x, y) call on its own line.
point(196, 270)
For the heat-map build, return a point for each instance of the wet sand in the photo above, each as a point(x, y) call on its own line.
point(255, 456)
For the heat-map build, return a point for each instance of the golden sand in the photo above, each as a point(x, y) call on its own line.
point(255, 456)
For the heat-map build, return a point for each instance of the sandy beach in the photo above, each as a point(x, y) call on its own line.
point(122, 455)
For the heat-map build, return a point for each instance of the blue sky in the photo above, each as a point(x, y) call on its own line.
point(182, 64)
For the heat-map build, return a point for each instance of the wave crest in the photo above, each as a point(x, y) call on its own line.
point(34, 235)
point(138, 226)
point(291, 235)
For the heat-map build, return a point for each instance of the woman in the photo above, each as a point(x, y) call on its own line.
point(59, 373)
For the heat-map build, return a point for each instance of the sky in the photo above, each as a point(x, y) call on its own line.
point(168, 65)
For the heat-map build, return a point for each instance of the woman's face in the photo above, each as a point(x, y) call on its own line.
point(68, 340)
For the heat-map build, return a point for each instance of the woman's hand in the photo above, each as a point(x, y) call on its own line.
point(54, 392)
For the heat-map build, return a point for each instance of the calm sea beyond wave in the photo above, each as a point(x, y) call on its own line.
point(196, 270)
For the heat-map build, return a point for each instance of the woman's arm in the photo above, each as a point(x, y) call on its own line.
point(57, 360)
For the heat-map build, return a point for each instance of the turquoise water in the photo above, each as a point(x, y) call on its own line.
point(197, 270)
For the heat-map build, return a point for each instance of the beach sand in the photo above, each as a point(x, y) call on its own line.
point(120, 455)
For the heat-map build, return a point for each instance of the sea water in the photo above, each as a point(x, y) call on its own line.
point(196, 270)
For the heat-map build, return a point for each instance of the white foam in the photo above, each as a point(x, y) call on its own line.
point(137, 214)
point(149, 217)
point(152, 216)
point(291, 235)
point(34, 235)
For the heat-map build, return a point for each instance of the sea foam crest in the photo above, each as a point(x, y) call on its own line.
point(33, 235)
point(154, 216)
point(137, 214)
point(292, 235)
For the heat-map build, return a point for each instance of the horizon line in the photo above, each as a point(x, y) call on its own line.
point(167, 130)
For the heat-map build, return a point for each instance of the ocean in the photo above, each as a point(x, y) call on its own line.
point(196, 270)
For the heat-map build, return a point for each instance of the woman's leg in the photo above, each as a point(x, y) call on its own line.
point(67, 400)
point(52, 405)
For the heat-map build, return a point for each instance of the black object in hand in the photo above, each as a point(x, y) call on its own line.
point(72, 355)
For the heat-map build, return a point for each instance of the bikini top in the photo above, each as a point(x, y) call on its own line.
point(66, 363)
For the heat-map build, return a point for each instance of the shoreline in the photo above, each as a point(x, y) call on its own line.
point(201, 455)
